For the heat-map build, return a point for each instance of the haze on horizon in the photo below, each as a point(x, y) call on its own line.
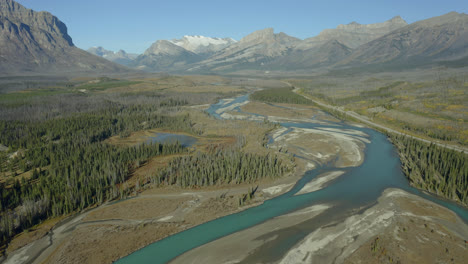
point(117, 24)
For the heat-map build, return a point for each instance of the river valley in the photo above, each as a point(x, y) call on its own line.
point(348, 190)
point(342, 202)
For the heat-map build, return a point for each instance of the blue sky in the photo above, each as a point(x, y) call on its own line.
point(133, 25)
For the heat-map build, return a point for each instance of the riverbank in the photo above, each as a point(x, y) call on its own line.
point(192, 207)
point(394, 222)
point(114, 230)
point(343, 223)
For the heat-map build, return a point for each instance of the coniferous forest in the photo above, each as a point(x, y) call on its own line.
point(72, 168)
point(55, 160)
point(436, 169)
point(220, 167)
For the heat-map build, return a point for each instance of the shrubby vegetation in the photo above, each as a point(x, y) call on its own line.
point(279, 95)
point(430, 104)
point(435, 169)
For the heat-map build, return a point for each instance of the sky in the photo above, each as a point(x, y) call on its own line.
point(133, 25)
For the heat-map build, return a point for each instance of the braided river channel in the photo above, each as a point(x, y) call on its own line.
point(357, 189)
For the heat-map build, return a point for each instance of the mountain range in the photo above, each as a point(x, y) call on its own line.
point(387, 45)
point(438, 39)
point(38, 42)
point(120, 56)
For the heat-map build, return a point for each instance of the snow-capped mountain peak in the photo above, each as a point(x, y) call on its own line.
point(201, 44)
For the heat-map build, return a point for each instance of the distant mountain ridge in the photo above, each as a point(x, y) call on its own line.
point(442, 38)
point(120, 56)
point(354, 34)
point(254, 50)
point(178, 54)
point(264, 50)
point(38, 42)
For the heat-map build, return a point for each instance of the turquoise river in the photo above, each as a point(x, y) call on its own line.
point(358, 188)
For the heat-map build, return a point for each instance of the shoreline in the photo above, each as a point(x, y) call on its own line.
point(330, 242)
point(115, 230)
point(44, 248)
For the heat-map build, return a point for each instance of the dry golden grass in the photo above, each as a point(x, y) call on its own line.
point(416, 103)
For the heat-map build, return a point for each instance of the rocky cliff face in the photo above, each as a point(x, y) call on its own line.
point(38, 42)
point(46, 26)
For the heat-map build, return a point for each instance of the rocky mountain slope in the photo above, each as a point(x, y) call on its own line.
point(164, 55)
point(179, 54)
point(264, 50)
point(38, 42)
point(120, 56)
point(332, 45)
point(318, 56)
point(437, 39)
point(253, 51)
point(392, 44)
point(32, 42)
point(354, 34)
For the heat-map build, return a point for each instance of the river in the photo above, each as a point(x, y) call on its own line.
point(359, 187)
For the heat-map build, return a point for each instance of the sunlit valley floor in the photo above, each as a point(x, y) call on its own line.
point(395, 227)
